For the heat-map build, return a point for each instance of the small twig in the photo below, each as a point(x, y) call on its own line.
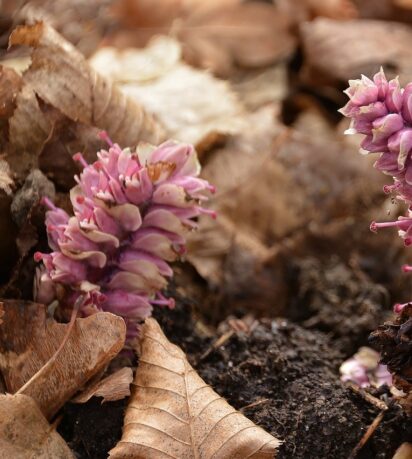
point(257, 403)
point(219, 342)
point(369, 432)
point(367, 396)
point(53, 358)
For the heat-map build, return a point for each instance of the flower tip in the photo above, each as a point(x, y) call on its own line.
point(397, 308)
point(38, 256)
point(373, 227)
point(172, 303)
point(45, 201)
point(80, 158)
point(105, 136)
point(406, 268)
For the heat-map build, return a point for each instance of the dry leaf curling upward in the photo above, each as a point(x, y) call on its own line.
point(174, 414)
point(28, 340)
point(25, 433)
point(61, 77)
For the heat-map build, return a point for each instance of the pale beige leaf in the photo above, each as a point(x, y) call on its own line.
point(113, 387)
point(6, 182)
point(404, 451)
point(25, 433)
point(191, 104)
point(28, 339)
point(329, 48)
point(61, 76)
point(175, 414)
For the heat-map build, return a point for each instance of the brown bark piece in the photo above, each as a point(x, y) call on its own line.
point(28, 339)
point(174, 414)
point(25, 433)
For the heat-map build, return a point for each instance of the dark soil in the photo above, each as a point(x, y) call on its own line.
point(290, 375)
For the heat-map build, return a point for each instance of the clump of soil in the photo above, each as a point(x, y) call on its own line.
point(92, 429)
point(291, 376)
point(331, 297)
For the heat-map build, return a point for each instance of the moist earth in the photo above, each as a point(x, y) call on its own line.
point(282, 376)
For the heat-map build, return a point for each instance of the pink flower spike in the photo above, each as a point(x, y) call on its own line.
point(131, 219)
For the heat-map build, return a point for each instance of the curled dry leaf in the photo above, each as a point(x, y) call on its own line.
point(174, 414)
point(25, 433)
point(58, 100)
point(61, 76)
point(114, 387)
point(28, 339)
point(342, 50)
point(191, 104)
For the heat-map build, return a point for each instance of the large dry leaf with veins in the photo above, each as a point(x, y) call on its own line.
point(25, 433)
point(329, 49)
point(28, 339)
point(192, 105)
point(175, 414)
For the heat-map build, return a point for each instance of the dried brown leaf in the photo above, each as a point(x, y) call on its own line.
point(61, 76)
point(191, 104)
point(25, 433)
point(113, 387)
point(404, 451)
point(6, 182)
point(216, 35)
point(28, 339)
point(250, 34)
point(306, 9)
point(174, 414)
point(329, 48)
point(10, 84)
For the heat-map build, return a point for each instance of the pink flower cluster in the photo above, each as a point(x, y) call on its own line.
point(365, 370)
point(132, 212)
point(382, 111)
